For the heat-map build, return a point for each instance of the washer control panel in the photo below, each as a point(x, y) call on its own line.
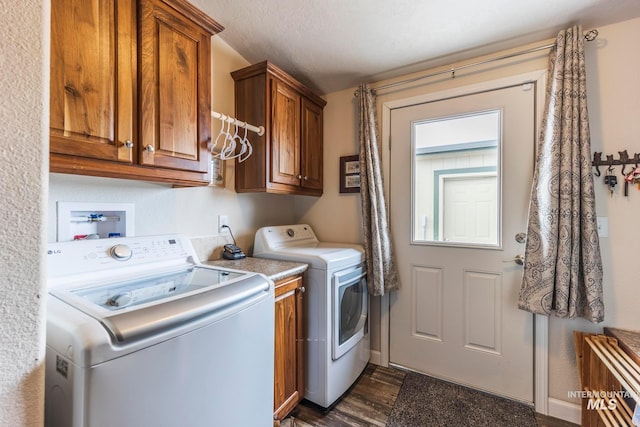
point(88, 256)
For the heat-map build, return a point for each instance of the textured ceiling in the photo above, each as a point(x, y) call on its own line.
point(336, 44)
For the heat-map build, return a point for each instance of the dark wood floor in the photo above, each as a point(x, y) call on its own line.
point(369, 403)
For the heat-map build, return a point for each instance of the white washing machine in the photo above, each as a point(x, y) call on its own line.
point(139, 333)
point(336, 307)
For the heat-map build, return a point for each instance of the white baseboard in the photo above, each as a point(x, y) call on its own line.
point(375, 357)
point(565, 411)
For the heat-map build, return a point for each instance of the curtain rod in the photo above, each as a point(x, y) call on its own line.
point(589, 36)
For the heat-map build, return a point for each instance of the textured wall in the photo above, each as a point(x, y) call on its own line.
point(23, 147)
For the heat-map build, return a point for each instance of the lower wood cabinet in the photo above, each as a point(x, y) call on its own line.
point(289, 346)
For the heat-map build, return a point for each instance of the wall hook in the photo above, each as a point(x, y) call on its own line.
point(597, 161)
point(624, 159)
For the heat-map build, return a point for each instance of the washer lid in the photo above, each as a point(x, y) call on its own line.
point(321, 255)
point(137, 308)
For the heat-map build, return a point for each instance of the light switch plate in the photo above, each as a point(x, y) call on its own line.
point(603, 226)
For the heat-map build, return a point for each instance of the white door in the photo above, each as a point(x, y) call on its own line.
point(460, 179)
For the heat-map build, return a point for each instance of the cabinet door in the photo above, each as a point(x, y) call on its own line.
point(289, 346)
point(93, 84)
point(285, 134)
point(311, 146)
point(175, 113)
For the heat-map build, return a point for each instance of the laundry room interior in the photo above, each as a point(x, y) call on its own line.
point(221, 209)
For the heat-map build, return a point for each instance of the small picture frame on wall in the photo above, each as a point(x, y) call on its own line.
point(350, 174)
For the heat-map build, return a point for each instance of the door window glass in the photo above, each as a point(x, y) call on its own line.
point(456, 179)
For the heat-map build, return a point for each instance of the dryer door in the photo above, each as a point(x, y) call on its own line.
point(350, 309)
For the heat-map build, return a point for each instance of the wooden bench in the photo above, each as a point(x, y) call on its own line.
point(609, 368)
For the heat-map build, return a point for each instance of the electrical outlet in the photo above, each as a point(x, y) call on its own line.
point(222, 221)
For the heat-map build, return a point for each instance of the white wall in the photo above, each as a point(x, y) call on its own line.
point(614, 109)
point(24, 39)
point(335, 217)
point(613, 94)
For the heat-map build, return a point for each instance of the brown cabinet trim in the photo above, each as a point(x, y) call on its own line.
point(62, 163)
point(266, 66)
point(195, 15)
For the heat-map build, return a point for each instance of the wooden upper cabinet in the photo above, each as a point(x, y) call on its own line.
point(287, 159)
point(311, 145)
point(131, 89)
point(93, 78)
point(285, 134)
point(175, 112)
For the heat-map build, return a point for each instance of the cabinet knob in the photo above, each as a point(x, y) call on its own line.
point(299, 176)
point(128, 143)
point(305, 178)
point(302, 289)
point(150, 148)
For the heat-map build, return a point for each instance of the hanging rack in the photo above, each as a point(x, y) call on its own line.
point(589, 36)
point(623, 160)
point(229, 148)
point(631, 177)
point(232, 120)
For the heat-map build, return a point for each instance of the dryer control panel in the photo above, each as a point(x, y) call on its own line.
point(269, 238)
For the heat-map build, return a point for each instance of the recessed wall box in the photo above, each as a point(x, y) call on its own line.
point(81, 220)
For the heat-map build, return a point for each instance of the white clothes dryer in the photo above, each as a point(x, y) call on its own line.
point(336, 306)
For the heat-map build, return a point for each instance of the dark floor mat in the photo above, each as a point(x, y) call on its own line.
point(426, 401)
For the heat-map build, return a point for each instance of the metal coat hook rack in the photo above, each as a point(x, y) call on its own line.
point(631, 177)
point(623, 160)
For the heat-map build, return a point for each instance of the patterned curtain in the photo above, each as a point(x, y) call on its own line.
point(381, 267)
point(563, 268)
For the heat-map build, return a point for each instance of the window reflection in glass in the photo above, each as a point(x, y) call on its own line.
point(456, 185)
